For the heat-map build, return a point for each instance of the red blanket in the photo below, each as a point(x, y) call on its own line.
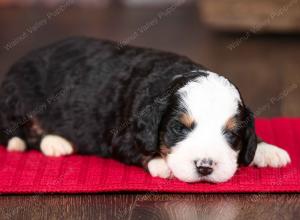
point(31, 172)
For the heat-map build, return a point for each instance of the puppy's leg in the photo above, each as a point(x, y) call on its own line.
point(270, 155)
point(16, 144)
point(55, 146)
point(158, 168)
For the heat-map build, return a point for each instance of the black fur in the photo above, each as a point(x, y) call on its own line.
point(110, 101)
point(248, 138)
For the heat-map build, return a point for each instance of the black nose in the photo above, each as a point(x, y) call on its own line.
point(204, 171)
point(204, 167)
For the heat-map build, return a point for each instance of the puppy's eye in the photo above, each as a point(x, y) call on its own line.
point(231, 137)
point(180, 128)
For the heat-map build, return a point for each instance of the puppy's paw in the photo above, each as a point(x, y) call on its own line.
point(55, 146)
point(270, 155)
point(16, 144)
point(158, 168)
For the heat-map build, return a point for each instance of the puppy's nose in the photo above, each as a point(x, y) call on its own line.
point(204, 171)
point(204, 167)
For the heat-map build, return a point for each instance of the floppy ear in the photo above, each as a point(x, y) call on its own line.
point(147, 125)
point(148, 121)
point(249, 139)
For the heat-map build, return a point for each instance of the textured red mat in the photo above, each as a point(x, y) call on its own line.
point(31, 172)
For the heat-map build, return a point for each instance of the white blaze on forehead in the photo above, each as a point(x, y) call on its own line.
point(211, 97)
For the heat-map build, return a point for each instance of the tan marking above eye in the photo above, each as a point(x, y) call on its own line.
point(231, 124)
point(187, 120)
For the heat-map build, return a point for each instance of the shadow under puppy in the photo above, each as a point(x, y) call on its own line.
point(140, 106)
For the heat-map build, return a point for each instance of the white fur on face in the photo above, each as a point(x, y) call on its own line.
point(211, 101)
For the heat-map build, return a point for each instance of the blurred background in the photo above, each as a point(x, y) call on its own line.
point(255, 43)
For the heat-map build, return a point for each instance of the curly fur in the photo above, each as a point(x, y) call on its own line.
point(114, 102)
point(92, 93)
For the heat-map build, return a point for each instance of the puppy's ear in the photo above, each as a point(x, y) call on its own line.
point(147, 125)
point(249, 139)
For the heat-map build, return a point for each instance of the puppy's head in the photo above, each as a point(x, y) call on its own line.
point(207, 130)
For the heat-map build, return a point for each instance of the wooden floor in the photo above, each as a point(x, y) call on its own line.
point(265, 68)
point(154, 206)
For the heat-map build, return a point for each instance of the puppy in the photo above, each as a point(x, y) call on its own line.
point(140, 106)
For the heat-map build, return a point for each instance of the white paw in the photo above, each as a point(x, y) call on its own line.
point(16, 144)
point(270, 155)
point(159, 168)
point(55, 146)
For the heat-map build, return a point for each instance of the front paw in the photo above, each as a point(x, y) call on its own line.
point(270, 155)
point(158, 168)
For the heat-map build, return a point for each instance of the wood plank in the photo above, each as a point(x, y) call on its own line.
point(251, 15)
point(151, 206)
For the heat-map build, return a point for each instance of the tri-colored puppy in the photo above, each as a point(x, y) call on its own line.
point(140, 106)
